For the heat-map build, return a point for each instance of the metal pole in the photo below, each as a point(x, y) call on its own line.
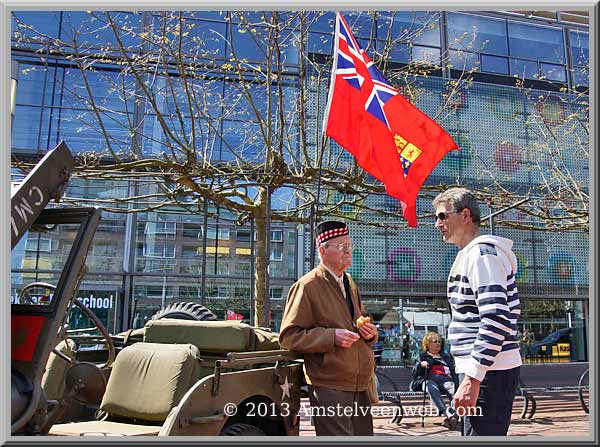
point(312, 236)
point(204, 239)
point(424, 399)
point(129, 262)
point(267, 301)
point(401, 329)
point(299, 251)
point(491, 217)
point(218, 214)
point(14, 80)
point(252, 263)
point(164, 293)
point(526, 199)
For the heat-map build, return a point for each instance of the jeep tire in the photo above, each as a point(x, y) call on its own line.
point(241, 429)
point(185, 311)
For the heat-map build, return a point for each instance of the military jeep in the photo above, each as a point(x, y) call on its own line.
point(173, 377)
point(197, 378)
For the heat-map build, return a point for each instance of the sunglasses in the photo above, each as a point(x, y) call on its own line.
point(444, 215)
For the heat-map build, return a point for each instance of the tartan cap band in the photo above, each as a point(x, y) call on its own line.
point(330, 229)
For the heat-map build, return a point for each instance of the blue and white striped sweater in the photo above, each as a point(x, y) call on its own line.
point(485, 307)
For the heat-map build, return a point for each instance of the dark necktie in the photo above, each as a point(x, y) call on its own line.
point(349, 297)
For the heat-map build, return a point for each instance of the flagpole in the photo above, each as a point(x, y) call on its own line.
point(315, 210)
point(332, 81)
point(324, 137)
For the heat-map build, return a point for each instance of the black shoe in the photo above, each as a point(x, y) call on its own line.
point(450, 422)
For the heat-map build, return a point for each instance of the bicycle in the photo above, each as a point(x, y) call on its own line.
point(387, 390)
point(583, 386)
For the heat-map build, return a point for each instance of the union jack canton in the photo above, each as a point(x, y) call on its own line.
point(349, 54)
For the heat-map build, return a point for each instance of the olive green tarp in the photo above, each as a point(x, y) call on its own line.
point(211, 336)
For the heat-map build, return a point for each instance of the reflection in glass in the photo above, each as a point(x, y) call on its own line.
point(477, 33)
point(523, 68)
point(548, 42)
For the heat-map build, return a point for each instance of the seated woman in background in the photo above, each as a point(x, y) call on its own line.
point(441, 377)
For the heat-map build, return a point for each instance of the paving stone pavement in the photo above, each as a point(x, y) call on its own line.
point(557, 414)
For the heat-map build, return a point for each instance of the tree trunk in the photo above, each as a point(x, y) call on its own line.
point(261, 257)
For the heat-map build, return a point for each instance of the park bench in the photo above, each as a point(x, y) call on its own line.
point(393, 387)
point(535, 380)
point(544, 378)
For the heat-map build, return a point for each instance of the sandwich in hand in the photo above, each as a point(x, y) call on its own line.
point(362, 320)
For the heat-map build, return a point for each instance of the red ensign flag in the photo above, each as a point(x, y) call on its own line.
point(389, 137)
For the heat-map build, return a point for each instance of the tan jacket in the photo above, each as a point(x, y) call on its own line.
point(315, 307)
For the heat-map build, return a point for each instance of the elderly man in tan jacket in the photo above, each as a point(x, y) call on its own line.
point(320, 320)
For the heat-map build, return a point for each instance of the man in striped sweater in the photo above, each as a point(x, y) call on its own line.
point(485, 307)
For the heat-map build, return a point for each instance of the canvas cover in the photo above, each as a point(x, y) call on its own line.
point(211, 336)
point(266, 340)
point(53, 380)
point(148, 379)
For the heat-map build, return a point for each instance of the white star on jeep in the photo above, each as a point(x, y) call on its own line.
point(286, 389)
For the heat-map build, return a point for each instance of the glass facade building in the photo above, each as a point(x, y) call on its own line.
point(142, 261)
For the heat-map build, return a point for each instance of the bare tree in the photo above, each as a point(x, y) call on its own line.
point(228, 113)
point(556, 126)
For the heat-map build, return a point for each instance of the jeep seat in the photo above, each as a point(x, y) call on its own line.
point(146, 382)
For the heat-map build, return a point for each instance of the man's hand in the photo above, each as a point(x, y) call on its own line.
point(367, 331)
point(345, 338)
point(424, 364)
point(466, 395)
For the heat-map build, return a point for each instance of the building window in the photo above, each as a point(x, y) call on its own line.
point(505, 47)
point(160, 228)
point(159, 265)
point(320, 43)
point(217, 292)
point(192, 230)
point(276, 235)
point(217, 251)
point(190, 251)
point(155, 292)
point(580, 55)
point(523, 68)
point(276, 252)
point(468, 32)
point(428, 55)
point(548, 42)
point(102, 248)
point(39, 245)
point(463, 60)
point(241, 293)
point(158, 249)
point(243, 235)
point(222, 234)
point(276, 293)
point(553, 72)
point(494, 64)
point(421, 28)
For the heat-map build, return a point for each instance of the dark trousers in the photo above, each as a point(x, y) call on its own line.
point(496, 396)
point(330, 416)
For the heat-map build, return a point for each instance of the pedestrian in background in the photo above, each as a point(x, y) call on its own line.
point(437, 369)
